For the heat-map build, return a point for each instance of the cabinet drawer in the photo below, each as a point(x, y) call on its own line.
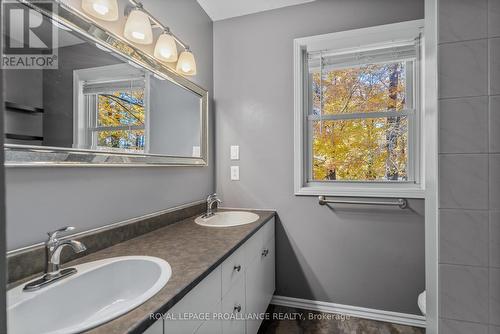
point(233, 269)
point(204, 298)
point(233, 304)
point(254, 246)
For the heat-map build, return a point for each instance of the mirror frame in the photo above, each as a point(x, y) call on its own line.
point(45, 156)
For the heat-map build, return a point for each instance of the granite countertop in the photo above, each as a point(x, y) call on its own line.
point(192, 251)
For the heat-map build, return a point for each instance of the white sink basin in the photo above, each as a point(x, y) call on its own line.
point(99, 292)
point(228, 218)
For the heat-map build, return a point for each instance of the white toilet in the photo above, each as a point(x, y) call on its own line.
point(421, 302)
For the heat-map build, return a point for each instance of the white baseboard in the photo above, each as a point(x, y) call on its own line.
point(353, 311)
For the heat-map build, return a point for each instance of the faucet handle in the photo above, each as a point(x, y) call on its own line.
point(53, 235)
point(211, 196)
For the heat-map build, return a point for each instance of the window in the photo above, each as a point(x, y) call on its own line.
point(116, 114)
point(357, 106)
point(111, 109)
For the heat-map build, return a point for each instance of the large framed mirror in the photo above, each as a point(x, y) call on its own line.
point(106, 102)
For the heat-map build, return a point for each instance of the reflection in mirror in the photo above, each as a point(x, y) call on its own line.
point(98, 100)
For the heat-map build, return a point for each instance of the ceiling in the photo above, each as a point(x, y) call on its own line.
point(224, 9)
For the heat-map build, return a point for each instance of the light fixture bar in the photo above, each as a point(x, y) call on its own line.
point(137, 4)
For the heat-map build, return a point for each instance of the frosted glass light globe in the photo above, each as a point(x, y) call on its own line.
point(186, 64)
point(166, 49)
point(138, 28)
point(106, 10)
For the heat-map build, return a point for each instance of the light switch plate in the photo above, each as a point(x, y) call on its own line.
point(235, 152)
point(235, 173)
point(196, 151)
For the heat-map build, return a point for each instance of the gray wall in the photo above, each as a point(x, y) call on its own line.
point(175, 122)
point(362, 256)
point(42, 199)
point(58, 90)
point(25, 88)
point(469, 110)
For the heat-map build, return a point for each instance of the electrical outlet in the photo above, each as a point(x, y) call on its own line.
point(235, 173)
point(235, 152)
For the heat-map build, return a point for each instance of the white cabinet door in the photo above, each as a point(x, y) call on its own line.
point(184, 317)
point(233, 306)
point(213, 326)
point(210, 327)
point(259, 285)
point(233, 269)
point(157, 328)
point(254, 293)
point(269, 266)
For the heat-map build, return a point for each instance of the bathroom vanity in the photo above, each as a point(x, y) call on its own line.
point(241, 287)
point(219, 275)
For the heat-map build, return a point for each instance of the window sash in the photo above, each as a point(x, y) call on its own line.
point(361, 115)
point(117, 128)
point(95, 132)
point(93, 129)
point(310, 179)
point(412, 89)
point(105, 87)
point(321, 60)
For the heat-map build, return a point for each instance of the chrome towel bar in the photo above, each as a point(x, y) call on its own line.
point(402, 203)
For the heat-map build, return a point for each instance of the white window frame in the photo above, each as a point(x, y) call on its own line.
point(84, 126)
point(355, 41)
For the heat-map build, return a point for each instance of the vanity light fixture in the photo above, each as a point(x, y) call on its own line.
point(138, 28)
point(166, 48)
point(106, 10)
point(186, 64)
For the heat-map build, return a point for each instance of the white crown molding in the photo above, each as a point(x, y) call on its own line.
point(353, 311)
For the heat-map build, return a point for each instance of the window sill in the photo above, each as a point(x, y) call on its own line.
point(365, 190)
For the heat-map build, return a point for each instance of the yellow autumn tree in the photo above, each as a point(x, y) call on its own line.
point(121, 109)
point(351, 148)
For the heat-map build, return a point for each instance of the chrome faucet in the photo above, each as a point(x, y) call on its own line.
point(53, 248)
point(211, 199)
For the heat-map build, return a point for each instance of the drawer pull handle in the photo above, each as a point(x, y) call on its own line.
point(265, 252)
point(237, 308)
point(237, 268)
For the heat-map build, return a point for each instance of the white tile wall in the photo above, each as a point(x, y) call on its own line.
point(469, 142)
point(495, 296)
point(463, 181)
point(494, 124)
point(463, 125)
point(464, 237)
point(463, 69)
point(461, 20)
point(464, 293)
point(447, 326)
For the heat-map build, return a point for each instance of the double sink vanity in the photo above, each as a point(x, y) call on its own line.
point(198, 275)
